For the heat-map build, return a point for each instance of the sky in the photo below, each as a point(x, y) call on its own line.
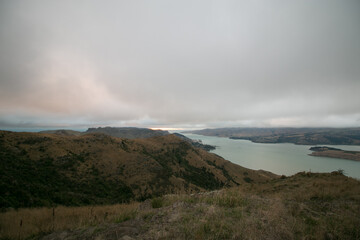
point(185, 64)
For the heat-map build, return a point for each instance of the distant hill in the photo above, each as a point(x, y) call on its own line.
point(121, 132)
point(128, 132)
point(198, 144)
point(38, 169)
point(64, 132)
point(131, 133)
point(303, 136)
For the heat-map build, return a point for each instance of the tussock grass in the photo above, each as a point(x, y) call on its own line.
point(231, 214)
point(231, 197)
point(22, 223)
point(157, 202)
point(303, 206)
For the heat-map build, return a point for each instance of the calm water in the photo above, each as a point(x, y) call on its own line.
point(280, 158)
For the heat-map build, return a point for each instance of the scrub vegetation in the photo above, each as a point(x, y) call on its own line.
point(46, 170)
point(304, 206)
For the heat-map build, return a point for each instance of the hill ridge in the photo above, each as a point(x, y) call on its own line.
point(47, 169)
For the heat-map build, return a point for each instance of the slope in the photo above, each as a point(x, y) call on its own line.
point(48, 169)
point(303, 206)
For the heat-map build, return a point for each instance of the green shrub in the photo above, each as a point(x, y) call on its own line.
point(248, 180)
point(157, 202)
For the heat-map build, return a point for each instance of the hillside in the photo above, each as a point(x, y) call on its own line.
point(131, 133)
point(50, 169)
point(303, 136)
point(128, 132)
point(303, 206)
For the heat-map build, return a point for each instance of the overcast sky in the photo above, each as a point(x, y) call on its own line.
point(179, 64)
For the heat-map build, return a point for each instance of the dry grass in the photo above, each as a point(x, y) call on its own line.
point(22, 223)
point(304, 206)
point(231, 214)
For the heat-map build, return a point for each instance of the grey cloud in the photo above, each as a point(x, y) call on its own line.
point(180, 63)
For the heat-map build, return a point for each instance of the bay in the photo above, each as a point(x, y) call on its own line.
point(279, 158)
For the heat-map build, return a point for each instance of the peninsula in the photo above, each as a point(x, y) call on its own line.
point(334, 153)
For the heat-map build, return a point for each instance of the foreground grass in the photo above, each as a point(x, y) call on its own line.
point(279, 210)
point(24, 223)
point(304, 206)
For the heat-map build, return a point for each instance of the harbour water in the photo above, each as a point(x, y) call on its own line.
point(279, 158)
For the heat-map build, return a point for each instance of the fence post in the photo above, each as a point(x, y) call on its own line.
point(21, 223)
point(53, 219)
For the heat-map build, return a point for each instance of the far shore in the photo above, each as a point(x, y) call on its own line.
point(335, 153)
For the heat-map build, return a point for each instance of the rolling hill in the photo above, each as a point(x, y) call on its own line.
point(38, 169)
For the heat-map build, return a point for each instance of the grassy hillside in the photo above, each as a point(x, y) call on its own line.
point(303, 206)
point(50, 169)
